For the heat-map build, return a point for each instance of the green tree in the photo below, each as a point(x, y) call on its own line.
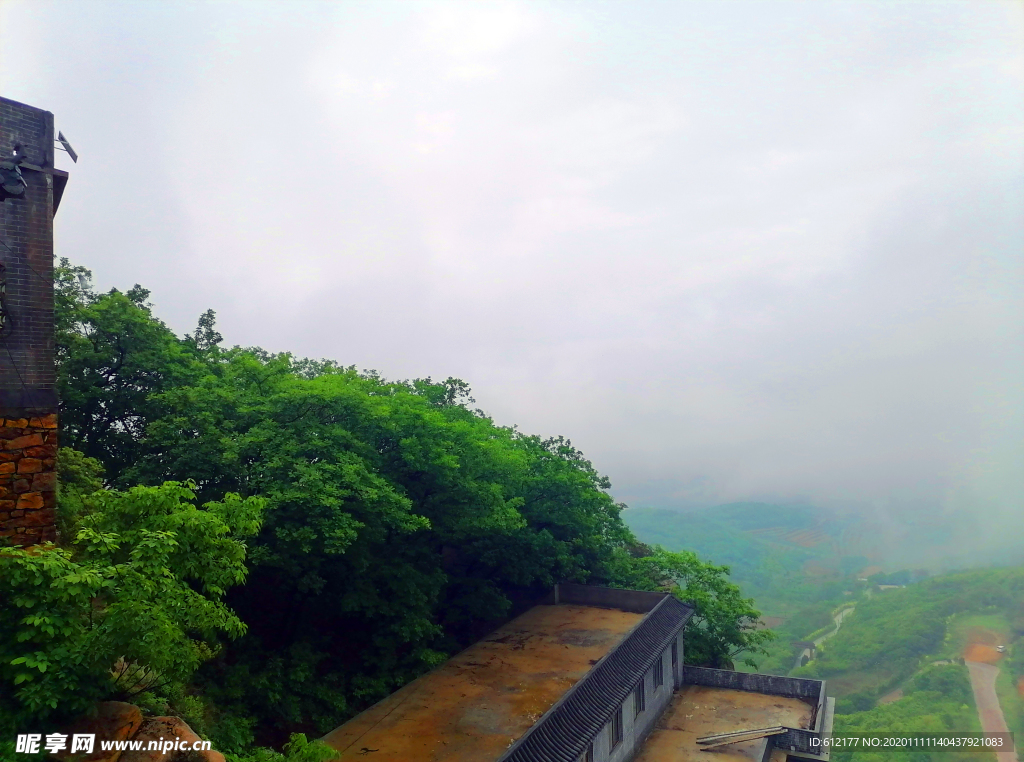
point(134, 603)
point(77, 476)
point(112, 357)
point(725, 625)
point(939, 700)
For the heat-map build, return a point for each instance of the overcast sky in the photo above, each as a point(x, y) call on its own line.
point(733, 250)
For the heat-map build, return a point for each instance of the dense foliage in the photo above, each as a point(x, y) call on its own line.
point(724, 625)
point(133, 603)
point(398, 523)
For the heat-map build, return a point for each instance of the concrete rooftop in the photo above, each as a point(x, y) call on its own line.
point(698, 711)
point(481, 700)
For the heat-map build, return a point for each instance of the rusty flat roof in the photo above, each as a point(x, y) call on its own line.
point(475, 705)
point(698, 710)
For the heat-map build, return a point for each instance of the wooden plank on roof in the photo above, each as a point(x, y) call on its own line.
point(738, 736)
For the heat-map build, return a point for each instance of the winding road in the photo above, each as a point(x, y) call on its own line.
point(983, 682)
point(838, 618)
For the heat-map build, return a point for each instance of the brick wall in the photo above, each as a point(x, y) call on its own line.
point(28, 400)
point(28, 480)
point(27, 376)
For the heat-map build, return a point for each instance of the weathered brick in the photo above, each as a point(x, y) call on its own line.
point(7, 468)
point(22, 485)
point(6, 456)
point(33, 519)
point(44, 482)
point(17, 423)
point(30, 466)
point(30, 501)
point(44, 422)
point(21, 442)
point(42, 451)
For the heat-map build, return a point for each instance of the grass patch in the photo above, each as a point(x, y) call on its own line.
point(965, 628)
point(872, 681)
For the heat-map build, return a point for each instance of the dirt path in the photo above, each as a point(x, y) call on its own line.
point(983, 681)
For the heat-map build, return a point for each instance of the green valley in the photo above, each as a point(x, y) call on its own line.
point(898, 660)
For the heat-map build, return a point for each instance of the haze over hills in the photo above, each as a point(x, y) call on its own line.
point(785, 552)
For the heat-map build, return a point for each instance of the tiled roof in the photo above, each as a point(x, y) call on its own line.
point(564, 732)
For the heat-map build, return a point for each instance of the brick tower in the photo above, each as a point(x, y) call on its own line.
point(30, 189)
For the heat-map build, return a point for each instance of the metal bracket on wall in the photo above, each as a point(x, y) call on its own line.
point(66, 147)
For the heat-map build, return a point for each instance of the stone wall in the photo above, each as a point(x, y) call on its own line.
point(28, 479)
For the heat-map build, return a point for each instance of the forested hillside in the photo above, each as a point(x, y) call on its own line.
point(938, 700)
point(884, 641)
point(266, 545)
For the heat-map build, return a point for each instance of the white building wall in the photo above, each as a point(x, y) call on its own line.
point(678, 671)
point(635, 729)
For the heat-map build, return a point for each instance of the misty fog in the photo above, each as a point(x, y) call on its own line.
point(740, 251)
